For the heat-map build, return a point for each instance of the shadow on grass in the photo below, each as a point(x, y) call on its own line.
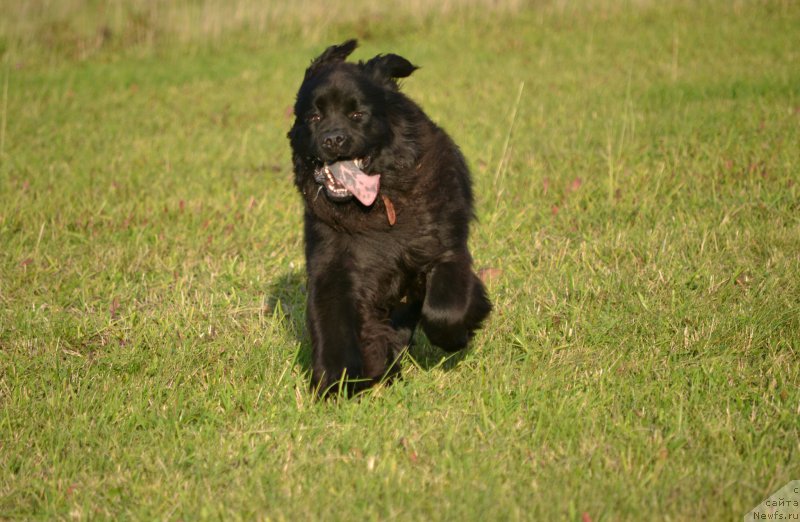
point(288, 294)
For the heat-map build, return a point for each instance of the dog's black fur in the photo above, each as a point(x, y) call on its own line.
point(372, 275)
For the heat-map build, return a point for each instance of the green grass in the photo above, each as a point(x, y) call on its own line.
point(636, 167)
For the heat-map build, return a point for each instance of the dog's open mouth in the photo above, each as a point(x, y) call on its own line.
point(346, 178)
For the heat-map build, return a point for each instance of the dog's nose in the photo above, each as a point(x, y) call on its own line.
point(333, 141)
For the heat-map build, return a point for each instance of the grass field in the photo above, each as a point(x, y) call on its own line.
point(637, 171)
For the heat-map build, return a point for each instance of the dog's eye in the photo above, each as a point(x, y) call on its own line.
point(313, 117)
point(357, 116)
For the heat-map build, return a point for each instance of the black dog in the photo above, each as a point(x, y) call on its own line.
point(388, 203)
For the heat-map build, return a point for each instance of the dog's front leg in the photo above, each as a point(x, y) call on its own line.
point(333, 325)
point(455, 303)
point(379, 345)
point(380, 342)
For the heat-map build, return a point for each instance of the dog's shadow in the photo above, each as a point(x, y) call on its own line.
point(288, 295)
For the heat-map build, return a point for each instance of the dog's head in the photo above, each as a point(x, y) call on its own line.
point(342, 116)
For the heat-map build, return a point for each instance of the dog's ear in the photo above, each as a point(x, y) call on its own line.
point(387, 68)
point(333, 54)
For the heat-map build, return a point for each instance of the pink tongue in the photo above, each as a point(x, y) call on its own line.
point(359, 184)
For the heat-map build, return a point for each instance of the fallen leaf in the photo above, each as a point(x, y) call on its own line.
point(113, 308)
point(489, 274)
point(663, 454)
point(742, 279)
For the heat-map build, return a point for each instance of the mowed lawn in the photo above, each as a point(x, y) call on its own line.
point(637, 177)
